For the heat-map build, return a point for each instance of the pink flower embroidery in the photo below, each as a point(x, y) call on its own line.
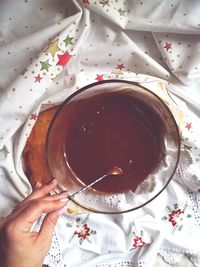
point(175, 216)
point(138, 242)
point(83, 232)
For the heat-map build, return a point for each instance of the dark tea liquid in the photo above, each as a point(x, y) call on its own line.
point(114, 129)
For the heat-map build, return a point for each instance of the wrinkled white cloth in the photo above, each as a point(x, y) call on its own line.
point(49, 49)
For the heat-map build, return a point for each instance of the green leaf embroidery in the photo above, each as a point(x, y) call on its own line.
point(169, 209)
point(68, 224)
point(93, 232)
point(180, 227)
point(175, 206)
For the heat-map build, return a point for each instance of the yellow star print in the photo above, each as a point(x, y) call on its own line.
point(53, 48)
point(117, 73)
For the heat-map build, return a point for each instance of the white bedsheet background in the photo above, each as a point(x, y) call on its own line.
point(49, 49)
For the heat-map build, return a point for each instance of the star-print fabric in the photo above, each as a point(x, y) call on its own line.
point(48, 50)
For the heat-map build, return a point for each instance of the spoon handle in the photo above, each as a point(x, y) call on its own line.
point(89, 185)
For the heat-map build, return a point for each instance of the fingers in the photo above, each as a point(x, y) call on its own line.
point(47, 198)
point(26, 203)
point(56, 197)
point(37, 203)
point(33, 212)
point(42, 191)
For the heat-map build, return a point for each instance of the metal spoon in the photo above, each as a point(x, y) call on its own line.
point(114, 171)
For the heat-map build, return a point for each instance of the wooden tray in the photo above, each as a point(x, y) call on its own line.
point(34, 159)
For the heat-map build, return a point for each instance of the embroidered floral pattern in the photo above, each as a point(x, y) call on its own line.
point(81, 230)
point(177, 215)
point(139, 240)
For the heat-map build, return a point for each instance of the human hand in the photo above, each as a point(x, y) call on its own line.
point(19, 247)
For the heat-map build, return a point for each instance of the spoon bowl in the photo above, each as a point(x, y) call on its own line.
point(114, 171)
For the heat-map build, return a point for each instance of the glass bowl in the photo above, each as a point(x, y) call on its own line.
point(154, 165)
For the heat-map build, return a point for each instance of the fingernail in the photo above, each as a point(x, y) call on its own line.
point(53, 181)
point(38, 185)
point(63, 195)
point(64, 200)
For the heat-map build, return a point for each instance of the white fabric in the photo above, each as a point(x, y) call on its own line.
point(159, 39)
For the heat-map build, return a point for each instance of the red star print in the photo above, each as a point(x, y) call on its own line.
point(99, 77)
point(168, 46)
point(63, 59)
point(120, 66)
point(34, 117)
point(86, 2)
point(188, 126)
point(38, 78)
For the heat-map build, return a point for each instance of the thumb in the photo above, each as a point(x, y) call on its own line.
point(48, 225)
